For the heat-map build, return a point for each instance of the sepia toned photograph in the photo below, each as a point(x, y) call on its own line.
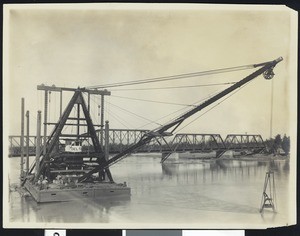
point(149, 116)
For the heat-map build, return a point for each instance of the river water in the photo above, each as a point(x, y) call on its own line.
point(188, 194)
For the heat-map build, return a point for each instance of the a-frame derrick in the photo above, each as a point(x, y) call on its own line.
point(49, 157)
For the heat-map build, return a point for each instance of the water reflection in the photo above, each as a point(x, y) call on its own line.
point(81, 210)
point(230, 173)
point(224, 167)
point(268, 216)
point(169, 169)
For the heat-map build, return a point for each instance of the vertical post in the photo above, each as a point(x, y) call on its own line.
point(271, 116)
point(99, 134)
point(22, 139)
point(102, 120)
point(89, 99)
point(248, 140)
point(38, 145)
point(106, 140)
point(88, 129)
point(78, 120)
point(114, 137)
point(106, 152)
point(60, 104)
point(27, 143)
point(45, 121)
point(135, 136)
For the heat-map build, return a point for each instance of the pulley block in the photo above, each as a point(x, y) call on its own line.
point(269, 74)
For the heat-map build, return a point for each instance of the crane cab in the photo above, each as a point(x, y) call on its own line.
point(73, 146)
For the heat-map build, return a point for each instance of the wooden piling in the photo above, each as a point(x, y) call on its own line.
point(38, 145)
point(108, 175)
point(102, 120)
point(106, 140)
point(45, 121)
point(60, 104)
point(22, 140)
point(27, 143)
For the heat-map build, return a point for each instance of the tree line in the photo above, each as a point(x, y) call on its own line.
point(278, 145)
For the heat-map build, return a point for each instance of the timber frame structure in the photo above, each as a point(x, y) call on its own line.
point(52, 160)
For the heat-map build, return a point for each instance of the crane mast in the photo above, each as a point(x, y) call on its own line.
point(266, 69)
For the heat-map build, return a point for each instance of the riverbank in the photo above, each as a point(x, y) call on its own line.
point(257, 157)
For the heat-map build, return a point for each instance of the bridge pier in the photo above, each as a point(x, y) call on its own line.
point(172, 156)
point(220, 153)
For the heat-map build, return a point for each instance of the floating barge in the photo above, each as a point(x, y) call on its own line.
point(56, 193)
point(65, 166)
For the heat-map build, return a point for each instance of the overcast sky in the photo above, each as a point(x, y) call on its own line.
point(87, 47)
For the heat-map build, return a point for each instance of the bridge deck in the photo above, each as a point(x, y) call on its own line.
point(121, 139)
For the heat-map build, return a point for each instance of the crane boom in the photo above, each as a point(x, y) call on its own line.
point(266, 69)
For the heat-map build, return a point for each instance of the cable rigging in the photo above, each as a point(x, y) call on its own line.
point(180, 104)
point(146, 100)
point(182, 110)
point(132, 113)
point(116, 117)
point(172, 87)
point(211, 108)
point(174, 77)
point(166, 78)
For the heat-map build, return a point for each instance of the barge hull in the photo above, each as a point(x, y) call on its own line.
point(91, 191)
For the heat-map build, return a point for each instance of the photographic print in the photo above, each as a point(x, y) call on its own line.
point(149, 116)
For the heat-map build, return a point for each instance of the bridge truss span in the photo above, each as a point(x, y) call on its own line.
point(197, 142)
point(253, 142)
point(121, 139)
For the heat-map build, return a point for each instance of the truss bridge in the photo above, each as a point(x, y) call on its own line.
point(121, 139)
point(245, 142)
